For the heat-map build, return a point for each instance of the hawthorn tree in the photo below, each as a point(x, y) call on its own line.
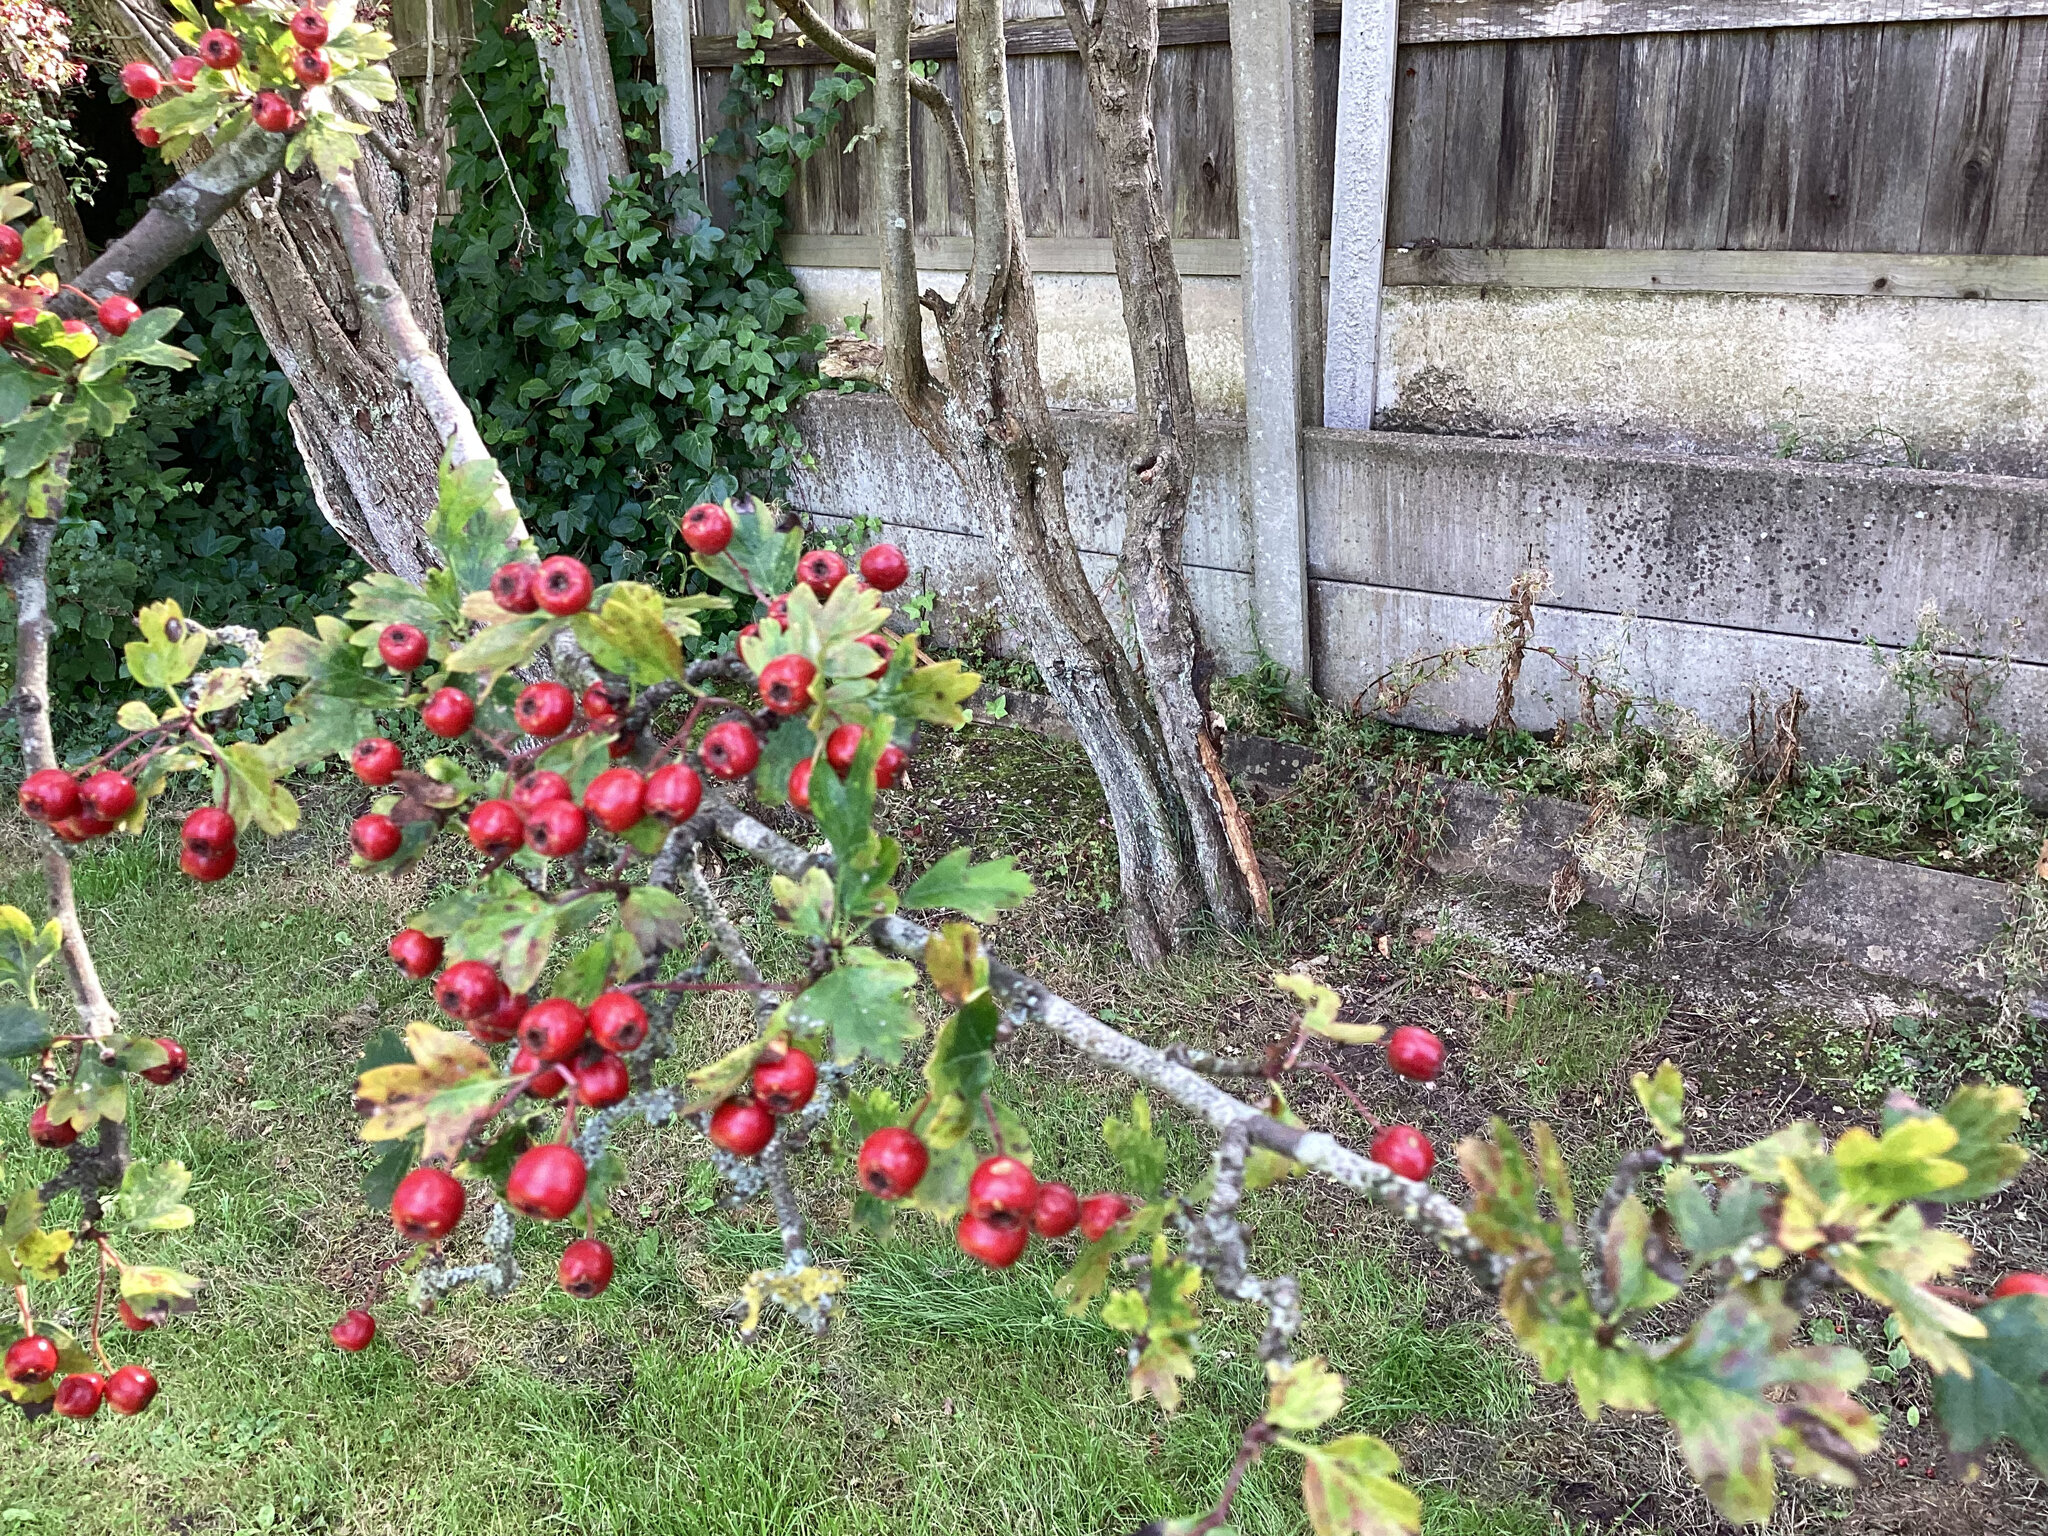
point(587, 801)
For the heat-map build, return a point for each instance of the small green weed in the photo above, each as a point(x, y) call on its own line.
point(1561, 1036)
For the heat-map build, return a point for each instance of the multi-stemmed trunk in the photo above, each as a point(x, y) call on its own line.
point(1180, 844)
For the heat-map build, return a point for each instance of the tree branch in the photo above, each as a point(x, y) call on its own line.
point(846, 51)
point(903, 365)
point(1215, 1242)
point(1627, 1173)
point(796, 1252)
point(178, 219)
point(28, 578)
point(1033, 1002)
point(725, 935)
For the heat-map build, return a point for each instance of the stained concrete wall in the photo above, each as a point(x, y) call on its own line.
point(1949, 383)
point(1690, 580)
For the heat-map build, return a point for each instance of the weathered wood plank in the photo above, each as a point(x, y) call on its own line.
point(1895, 116)
point(1646, 107)
point(1768, 140)
point(1472, 134)
point(1827, 272)
point(1422, 78)
point(1467, 21)
point(949, 253)
point(1969, 134)
point(1197, 148)
point(2026, 86)
point(1528, 145)
point(1582, 173)
point(1712, 68)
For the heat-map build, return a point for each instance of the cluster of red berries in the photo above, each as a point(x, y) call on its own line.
point(116, 312)
point(56, 1134)
point(32, 1360)
point(76, 809)
point(782, 1083)
point(1006, 1203)
point(219, 49)
point(1418, 1054)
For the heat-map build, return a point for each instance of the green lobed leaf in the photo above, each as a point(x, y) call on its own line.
point(152, 1198)
point(1663, 1101)
point(2005, 1394)
point(865, 1001)
point(24, 1031)
point(1348, 1488)
point(962, 1059)
point(475, 524)
point(979, 891)
point(499, 647)
point(1137, 1147)
point(629, 635)
point(1301, 1394)
point(768, 555)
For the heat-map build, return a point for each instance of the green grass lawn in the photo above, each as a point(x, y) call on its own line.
point(946, 1400)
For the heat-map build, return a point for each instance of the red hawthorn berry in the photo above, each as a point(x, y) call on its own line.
point(185, 69)
point(544, 709)
point(621, 747)
point(131, 1319)
point(309, 27)
point(892, 1160)
point(376, 837)
point(10, 245)
point(403, 647)
point(598, 707)
point(310, 67)
point(547, 1182)
point(616, 798)
point(586, 1268)
point(674, 792)
point(274, 114)
point(512, 586)
point(601, 1081)
point(79, 1395)
point(415, 953)
point(468, 990)
point(502, 1022)
point(208, 831)
point(617, 1022)
point(107, 795)
point(564, 585)
point(207, 868)
point(1404, 1150)
point(1001, 1189)
point(80, 328)
point(537, 789)
point(31, 1361)
point(553, 1029)
point(748, 631)
point(800, 785)
point(172, 1067)
point(219, 48)
point(1057, 1212)
point(821, 570)
point(495, 829)
point(842, 746)
point(557, 829)
point(786, 684)
point(1101, 1212)
point(730, 750)
point(883, 567)
point(707, 528)
point(996, 1244)
point(45, 1132)
point(82, 828)
point(426, 1205)
point(131, 1389)
point(145, 135)
point(355, 1330)
point(778, 610)
point(889, 766)
point(1415, 1053)
point(140, 81)
point(49, 795)
point(448, 713)
point(117, 312)
point(784, 1083)
point(376, 760)
point(547, 1081)
point(741, 1127)
point(2020, 1283)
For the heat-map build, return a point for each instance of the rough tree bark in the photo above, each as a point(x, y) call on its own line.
point(991, 424)
point(1119, 46)
point(369, 449)
point(579, 74)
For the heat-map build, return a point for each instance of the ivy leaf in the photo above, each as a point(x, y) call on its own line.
point(1348, 1488)
point(2005, 1393)
point(475, 524)
point(629, 635)
point(157, 660)
point(1302, 1394)
point(865, 1001)
point(1663, 1101)
point(24, 1031)
point(152, 1197)
point(962, 1061)
point(979, 891)
point(1137, 1147)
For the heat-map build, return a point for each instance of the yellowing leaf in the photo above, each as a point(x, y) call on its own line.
point(1302, 1394)
point(1348, 1488)
point(1904, 1164)
point(394, 1099)
point(169, 649)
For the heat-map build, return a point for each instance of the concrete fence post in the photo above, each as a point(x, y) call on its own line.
point(1358, 211)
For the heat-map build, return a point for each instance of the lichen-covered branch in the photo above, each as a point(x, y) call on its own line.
point(1033, 1002)
point(724, 934)
point(1215, 1241)
point(1627, 1173)
point(796, 1251)
point(28, 579)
